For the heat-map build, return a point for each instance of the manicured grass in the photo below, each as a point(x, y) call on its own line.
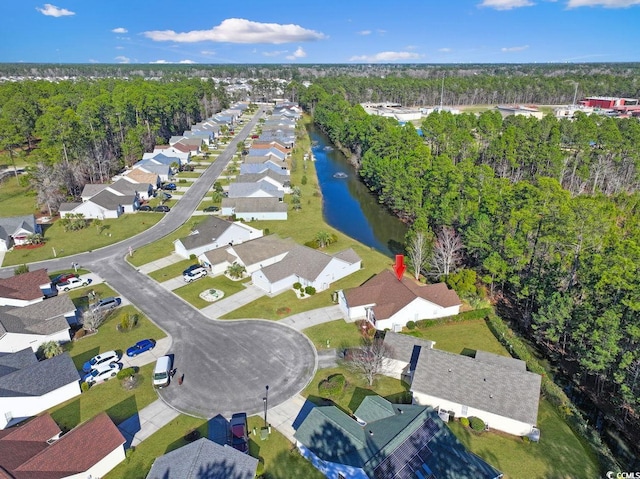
point(171, 271)
point(68, 243)
point(339, 334)
point(16, 200)
point(80, 296)
point(188, 174)
point(161, 248)
point(109, 396)
point(559, 454)
point(190, 292)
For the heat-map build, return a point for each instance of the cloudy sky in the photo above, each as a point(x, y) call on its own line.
point(331, 31)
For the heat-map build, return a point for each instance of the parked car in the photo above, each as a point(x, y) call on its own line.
point(239, 432)
point(104, 372)
point(61, 278)
point(141, 347)
point(145, 208)
point(106, 304)
point(211, 209)
point(194, 274)
point(162, 209)
point(191, 268)
point(94, 362)
point(166, 196)
point(72, 283)
point(186, 168)
point(169, 186)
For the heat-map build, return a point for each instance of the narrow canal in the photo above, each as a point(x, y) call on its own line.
point(348, 205)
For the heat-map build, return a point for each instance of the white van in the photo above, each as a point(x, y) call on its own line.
point(162, 372)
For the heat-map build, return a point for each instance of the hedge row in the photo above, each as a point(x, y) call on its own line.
point(474, 315)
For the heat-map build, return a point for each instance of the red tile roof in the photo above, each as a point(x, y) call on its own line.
point(390, 295)
point(24, 286)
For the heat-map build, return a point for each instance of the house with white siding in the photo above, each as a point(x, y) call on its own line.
point(281, 182)
point(26, 288)
point(104, 205)
point(16, 230)
point(29, 386)
point(258, 189)
point(389, 303)
point(213, 233)
point(250, 209)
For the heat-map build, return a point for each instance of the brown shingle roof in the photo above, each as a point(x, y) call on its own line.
point(19, 444)
point(24, 286)
point(139, 176)
point(390, 295)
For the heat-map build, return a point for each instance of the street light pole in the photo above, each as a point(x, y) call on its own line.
point(264, 400)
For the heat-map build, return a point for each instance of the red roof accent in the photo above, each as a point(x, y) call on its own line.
point(18, 444)
point(24, 286)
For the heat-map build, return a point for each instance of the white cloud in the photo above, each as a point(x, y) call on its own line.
point(299, 53)
point(386, 57)
point(53, 11)
point(186, 62)
point(122, 59)
point(514, 49)
point(506, 4)
point(445, 50)
point(602, 3)
point(160, 62)
point(240, 30)
point(120, 30)
point(364, 32)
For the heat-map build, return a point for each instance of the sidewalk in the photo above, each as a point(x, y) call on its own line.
point(314, 317)
point(160, 263)
point(283, 416)
point(146, 422)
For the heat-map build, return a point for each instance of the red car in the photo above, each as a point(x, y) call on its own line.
point(239, 432)
point(61, 278)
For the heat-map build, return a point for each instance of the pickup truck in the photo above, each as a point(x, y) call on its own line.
point(72, 283)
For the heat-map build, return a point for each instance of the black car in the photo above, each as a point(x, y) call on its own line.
point(162, 209)
point(169, 186)
point(191, 268)
point(211, 209)
point(145, 208)
point(239, 432)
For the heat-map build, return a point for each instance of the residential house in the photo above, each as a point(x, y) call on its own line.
point(105, 204)
point(39, 450)
point(306, 266)
point(204, 459)
point(17, 230)
point(30, 326)
point(402, 354)
point(281, 182)
point(386, 441)
point(26, 288)
point(261, 164)
point(258, 144)
point(250, 209)
point(193, 145)
point(121, 187)
point(253, 255)
point(164, 172)
point(206, 136)
point(149, 181)
point(388, 303)
point(168, 150)
point(214, 233)
point(497, 389)
point(273, 154)
point(29, 386)
point(160, 159)
point(260, 189)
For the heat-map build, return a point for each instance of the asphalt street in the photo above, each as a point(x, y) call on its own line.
point(225, 365)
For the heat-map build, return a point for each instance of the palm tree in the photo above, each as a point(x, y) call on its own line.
point(49, 349)
point(322, 238)
point(236, 270)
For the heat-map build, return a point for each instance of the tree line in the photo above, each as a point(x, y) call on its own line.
point(547, 213)
point(84, 131)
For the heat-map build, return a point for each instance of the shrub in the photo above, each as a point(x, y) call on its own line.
point(526, 439)
point(310, 290)
point(20, 269)
point(411, 325)
point(304, 179)
point(192, 257)
point(464, 421)
point(80, 333)
point(126, 373)
point(84, 387)
point(333, 385)
point(296, 285)
point(128, 322)
point(301, 288)
point(182, 180)
point(477, 424)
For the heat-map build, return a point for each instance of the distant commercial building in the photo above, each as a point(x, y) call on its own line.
point(529, 111)
point(608, 102)
point(392, 110)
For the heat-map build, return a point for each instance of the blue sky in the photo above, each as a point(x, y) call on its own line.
point(332, 31)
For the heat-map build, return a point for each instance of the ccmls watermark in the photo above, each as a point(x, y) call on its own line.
point(623, 475)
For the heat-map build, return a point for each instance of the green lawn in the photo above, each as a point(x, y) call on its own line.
point(190, 292)
point(80, 296)
point(339, 333)
point(161, 248)
point(16, 200)
point(171, 271)
point(67, 243)
point(188, 174)
point(109, 396)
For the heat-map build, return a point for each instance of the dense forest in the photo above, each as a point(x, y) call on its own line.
point(86, 131)
point(548, 213)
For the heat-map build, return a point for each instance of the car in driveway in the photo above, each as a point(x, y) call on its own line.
point(72, 283)
point(191, 268)
point(140, 347)
point(61, 278)
point(194, 274)
point(104, 372)
point(106, 304)
point(102, 358)
point(145, 208)
point(211, 209)
point(169, 186)
point(162, 209)
point(239, 432)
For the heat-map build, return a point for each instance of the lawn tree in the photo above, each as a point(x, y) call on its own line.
point(92, 319)
point(418, 251)
point(368, 360)
point(447, 252)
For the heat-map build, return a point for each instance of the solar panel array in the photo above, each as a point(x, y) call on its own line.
point(408, 456)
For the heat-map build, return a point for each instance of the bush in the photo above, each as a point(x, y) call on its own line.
point(126, 373)
point(192, 257)
point(464, 421)
point(84, 387)
point(301, 288)
point(477, 424)
point(310, 290)
point(80, 333)
point(128, 322)
point(296, 285)
point(411, 325)
point(304, 180)
point(20, 269)
point(333, 385)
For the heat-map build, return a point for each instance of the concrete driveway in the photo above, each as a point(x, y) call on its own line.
point(233, 302)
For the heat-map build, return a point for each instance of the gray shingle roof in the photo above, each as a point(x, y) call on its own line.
point(255, 205)
point(284, 180)
point(488, 386)
point(111, 201)
point(204, 459)
point(92, 189)
point(37, 378)
point(68, 207)
point(261, 249)
point(207, 232)
point(302, 261)
point(125, 187)
point(348, 255)
point(402, 346)
point(244, 190)
point(46, 317)
point(9, 224)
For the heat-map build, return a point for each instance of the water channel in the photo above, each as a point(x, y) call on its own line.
point(348, 205)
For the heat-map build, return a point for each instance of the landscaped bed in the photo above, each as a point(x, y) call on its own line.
point(191, 292)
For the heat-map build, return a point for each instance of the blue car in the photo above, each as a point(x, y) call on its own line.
point(141, 347)
point(169, 186)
